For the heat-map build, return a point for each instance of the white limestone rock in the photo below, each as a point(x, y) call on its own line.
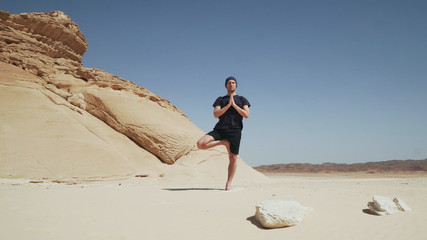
point(385, 206)
point(280, 213)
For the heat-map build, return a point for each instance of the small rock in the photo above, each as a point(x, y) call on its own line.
point(385, 206)
point(382, 206)
point(279, 213)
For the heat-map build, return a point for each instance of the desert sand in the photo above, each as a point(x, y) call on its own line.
point(152, 208)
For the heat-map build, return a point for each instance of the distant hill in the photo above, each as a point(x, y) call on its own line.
point(368, 167)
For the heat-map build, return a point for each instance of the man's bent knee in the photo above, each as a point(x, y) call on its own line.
point(201, 144)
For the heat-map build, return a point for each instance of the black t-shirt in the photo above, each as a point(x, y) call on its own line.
point(231, 118)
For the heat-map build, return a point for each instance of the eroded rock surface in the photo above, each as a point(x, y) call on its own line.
point(51, 46)
point(60, 120)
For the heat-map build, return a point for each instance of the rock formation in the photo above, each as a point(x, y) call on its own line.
point(60, 119)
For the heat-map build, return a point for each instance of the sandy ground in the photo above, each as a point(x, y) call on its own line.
point(144, 208)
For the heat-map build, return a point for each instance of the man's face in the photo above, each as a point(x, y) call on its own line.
point(231, 85)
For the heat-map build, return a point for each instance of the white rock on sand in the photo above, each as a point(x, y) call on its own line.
point(385, 206)
point(280, 213)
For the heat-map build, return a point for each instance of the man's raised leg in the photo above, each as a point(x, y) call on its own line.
point(208, 141)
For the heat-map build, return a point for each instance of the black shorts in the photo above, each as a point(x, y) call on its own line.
point(232, 135)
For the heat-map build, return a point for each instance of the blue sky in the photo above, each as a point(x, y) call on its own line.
point(329, 81)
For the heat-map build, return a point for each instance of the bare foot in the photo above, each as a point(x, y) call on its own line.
point(227, 186)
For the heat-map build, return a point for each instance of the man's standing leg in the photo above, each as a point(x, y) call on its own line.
point(208, 141)
point(231, 169)
point(234, 137)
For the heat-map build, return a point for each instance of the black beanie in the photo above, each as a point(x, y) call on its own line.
point(228, 79)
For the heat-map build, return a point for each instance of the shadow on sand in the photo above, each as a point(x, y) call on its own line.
point(367, 211)
point(253, 220)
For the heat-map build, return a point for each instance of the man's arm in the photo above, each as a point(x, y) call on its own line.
point(218, 111)
point(242, 111)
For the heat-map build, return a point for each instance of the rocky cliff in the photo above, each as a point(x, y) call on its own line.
point(60, 119)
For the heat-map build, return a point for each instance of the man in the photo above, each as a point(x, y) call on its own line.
point(230, 110)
